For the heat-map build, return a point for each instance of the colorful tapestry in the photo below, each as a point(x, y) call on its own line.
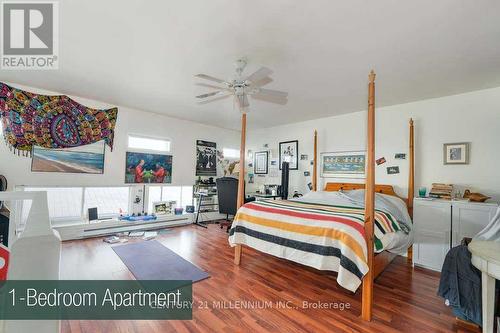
point(30, 119)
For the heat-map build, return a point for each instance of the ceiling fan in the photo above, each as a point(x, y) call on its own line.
point(243, 86)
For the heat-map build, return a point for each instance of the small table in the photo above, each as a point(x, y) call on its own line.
point(486, 258)
point(265, 196)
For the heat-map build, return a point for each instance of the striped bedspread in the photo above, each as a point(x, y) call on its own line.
point(321, 236)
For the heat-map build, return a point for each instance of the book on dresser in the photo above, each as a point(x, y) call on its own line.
point(441, 191)
point(441, 224)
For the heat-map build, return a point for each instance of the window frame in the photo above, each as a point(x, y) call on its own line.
point(82, 219)
point(150, 137)
point(67, 220)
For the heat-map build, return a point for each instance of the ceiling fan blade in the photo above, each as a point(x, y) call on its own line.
point(210, 78)
point(218, 98)
point(208, 85)
point(271, 99)
point(211, 94)
point(271, 92)
point(262, 82)
point(259, 74)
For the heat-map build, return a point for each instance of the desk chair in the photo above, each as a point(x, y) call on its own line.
point(227, 193)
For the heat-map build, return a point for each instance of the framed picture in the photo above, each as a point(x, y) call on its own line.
point(289, 152)
point(260, 164)
point(164, 207)
point(380, 161)
point(346, 164)
point(206, 158)
point(83, 159)
point(400, 156)
point(456, 153)
point(392, 170)
point(143, 168)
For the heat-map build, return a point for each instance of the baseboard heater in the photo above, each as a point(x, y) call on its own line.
point(141, 225)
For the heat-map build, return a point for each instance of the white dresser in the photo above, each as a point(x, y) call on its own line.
point(441, 224)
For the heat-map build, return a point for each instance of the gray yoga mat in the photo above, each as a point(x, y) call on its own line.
point(149, 260)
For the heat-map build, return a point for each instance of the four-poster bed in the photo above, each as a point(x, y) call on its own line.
point(327, 232)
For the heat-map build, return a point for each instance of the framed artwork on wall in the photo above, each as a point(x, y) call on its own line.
point(456, 153)
point(206, 158)
point(346, 164)
point(148, 168)
point(289, 152)
point(261, 162)
point(82, 159)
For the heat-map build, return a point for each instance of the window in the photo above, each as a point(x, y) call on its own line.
point(69, 205)
point(186, 196)
point(182, 195)
point(110, 201)
point(231, 153)
point(154, 194)
point(65, 203)
point(172, 193)
point(143, 143)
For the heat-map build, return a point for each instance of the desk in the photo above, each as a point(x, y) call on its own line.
point(265, 196)
point(486, 258)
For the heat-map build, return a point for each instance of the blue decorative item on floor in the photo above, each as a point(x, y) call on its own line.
point(134, 218)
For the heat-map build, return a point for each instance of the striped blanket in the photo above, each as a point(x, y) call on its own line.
point(321, 236)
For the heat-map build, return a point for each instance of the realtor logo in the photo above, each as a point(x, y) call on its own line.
point(29, 35)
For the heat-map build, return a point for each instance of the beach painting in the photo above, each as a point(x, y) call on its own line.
point(82, 159)
point(148, 168)
point(349, 164)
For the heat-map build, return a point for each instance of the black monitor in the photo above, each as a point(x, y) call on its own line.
point(93, 216)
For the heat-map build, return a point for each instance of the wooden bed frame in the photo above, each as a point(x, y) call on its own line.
point(376, 263)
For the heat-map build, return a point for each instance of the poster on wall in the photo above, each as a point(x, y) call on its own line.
point(227, 167)
point(289, 151)
point(148, 168)
point(82, 159)
point(206, 158)
point(348, 164)
point(261, 158)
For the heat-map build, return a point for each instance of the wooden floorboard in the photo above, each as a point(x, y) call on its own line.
point(405, 298)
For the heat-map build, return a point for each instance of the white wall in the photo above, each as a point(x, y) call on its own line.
point(183, 135)
point(472, 117)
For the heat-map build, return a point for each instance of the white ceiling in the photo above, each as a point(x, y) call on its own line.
point(143, 54)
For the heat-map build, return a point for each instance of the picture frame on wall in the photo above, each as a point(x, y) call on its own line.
point(345, 164)
point(81, 159)
point(289, 152)
point(456, 153)
point(145, 168)
point(261, 162)
point(206, 158)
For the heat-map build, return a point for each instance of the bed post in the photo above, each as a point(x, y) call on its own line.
point(315, 163)
point(411, 182)
point(367, 296)
point(241, 180)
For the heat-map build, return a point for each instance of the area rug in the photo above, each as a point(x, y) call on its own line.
point(150, 260)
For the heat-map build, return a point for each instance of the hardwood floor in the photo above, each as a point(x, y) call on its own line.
point(405, 298)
